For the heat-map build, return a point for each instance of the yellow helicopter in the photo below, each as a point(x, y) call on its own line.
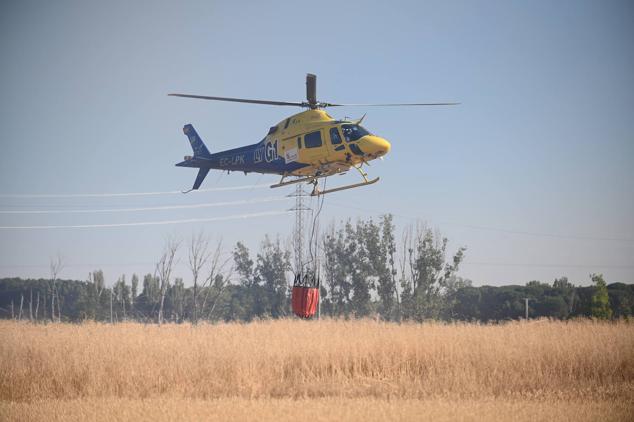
point(304, 147)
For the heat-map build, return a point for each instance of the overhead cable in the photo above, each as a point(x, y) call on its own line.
point(105, 195)
point(496, 229)
point(157, 208)
point(148, 223)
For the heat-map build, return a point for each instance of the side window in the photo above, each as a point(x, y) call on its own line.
point(334, 136)
point(299, 142)
point(313, 140)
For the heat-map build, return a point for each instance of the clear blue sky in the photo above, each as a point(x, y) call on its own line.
point(534, 172)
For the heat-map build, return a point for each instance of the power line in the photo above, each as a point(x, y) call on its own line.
point(496, 229)
point(147, 223)
point(103, 195)
point(101, 265)
point(549, 265)
point(158, 208)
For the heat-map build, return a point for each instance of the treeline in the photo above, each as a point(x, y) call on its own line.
point(80, 300)
point(364, 272)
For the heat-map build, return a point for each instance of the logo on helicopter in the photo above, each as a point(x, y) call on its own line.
point(267, 152)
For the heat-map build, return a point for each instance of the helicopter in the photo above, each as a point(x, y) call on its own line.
point(304, 147)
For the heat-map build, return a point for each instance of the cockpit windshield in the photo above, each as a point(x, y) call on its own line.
point(353, 132)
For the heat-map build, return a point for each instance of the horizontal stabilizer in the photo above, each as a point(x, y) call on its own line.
point(193, 162)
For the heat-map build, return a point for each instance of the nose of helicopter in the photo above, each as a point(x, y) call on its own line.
point(374, 146)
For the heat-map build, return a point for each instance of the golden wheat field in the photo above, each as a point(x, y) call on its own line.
point(318, 370)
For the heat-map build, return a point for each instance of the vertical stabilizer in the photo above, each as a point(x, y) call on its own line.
point(200, 150)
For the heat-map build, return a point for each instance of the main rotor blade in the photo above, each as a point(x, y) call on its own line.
point(311, 88)
point(239, 100)
point(386, 105)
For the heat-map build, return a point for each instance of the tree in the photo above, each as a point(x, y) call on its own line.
point(244, 265)
point(551, 307)
point(122, 295)
point(621, 299)
point(176, 293)
point(567, 290)
point(425, 290)
point(164, 271)
point(600, 300)
point(198, 257)
point(336, 271)
point(56, 265)
point(465, 303)
point(90, 306)
point(375, 269)
point(250, 299)
point(454, 285)
point(272, 264)
point(216, 280)
point(150, 296)
point(358, 262)
point(134, 291)
point(387, 275)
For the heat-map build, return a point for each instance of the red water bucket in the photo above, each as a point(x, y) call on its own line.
point(305, 300)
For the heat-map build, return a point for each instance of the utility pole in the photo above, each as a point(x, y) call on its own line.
point(319, 291)
point(111, 320)
point(31, 305)
point(526, 299)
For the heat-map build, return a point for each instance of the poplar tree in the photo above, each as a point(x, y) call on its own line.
point(425, 288)
point(272, 264)
point(600, 307)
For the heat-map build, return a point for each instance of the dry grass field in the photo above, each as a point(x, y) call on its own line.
point(326, 370)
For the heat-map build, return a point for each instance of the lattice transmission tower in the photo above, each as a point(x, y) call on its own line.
point(298, 233)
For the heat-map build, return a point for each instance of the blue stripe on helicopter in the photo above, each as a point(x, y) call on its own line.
point(259, 158)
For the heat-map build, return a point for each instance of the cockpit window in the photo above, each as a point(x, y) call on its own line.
point(353, 132)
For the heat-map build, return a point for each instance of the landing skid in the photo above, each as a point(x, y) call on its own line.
point(292, 182)
point(314, 181)
point(317, 192)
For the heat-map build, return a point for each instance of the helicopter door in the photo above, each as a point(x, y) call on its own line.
point(313, 149)
point(337, 146)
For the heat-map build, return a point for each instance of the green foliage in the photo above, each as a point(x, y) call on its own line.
point(336, 272)
point(366, 272)
point(621, 299)
point(385, 268)
point(272, 265)
point(244, 265)
point(600, 299)
point(424, 291)
point(358, 261)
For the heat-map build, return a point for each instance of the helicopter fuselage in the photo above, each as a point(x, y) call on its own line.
point(307, 144)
